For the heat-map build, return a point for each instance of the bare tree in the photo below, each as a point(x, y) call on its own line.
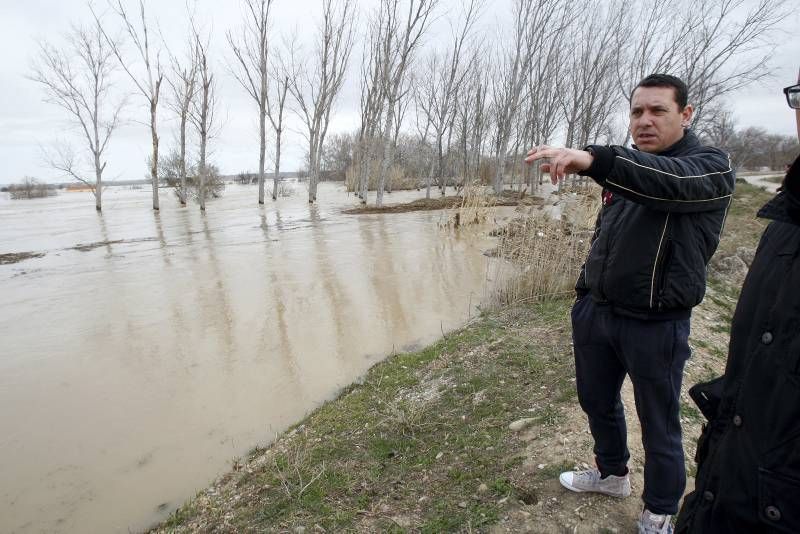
point(281, 80)
point(402, 39)
point(535, 22)
point(542, 116)
point(588, 95)
point(441, 82)
point(77, 78)
point(203, 109)
point(473, 117)
point(372, 103)
point(184, 87)
point(251, 50)
point(423, 127)
point(715, 46)
point(319, 80)
point(147, 82)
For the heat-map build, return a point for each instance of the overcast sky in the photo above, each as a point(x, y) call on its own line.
point(27, 123)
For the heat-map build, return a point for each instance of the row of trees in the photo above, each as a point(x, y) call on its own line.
point(751, 148)
point(559, 70)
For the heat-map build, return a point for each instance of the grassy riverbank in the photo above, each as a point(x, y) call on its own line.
point(467, 434)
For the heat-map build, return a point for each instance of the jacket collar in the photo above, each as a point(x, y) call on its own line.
point(689, 140)
point(785, 206)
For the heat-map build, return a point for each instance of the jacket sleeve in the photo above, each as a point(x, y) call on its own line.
point(702, 181)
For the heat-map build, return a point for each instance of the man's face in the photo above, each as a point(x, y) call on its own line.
point(656, 122)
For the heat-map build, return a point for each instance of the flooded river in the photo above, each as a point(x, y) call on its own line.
point(143, 352)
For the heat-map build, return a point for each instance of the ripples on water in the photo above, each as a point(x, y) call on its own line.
point(144, 351)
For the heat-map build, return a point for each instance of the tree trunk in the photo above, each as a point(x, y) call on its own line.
point(439, 162)
point(499, 171)
point(182, 196)
point(262, 150)
point(277, 165)
point(98, 184)
point(313, 170)
point(366, 161)
point(428, 180)
point(202, 171)
point(98, 170)
point(154, 162)
point(387, 155)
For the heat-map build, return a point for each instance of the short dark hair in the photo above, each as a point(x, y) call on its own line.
point(667, 80)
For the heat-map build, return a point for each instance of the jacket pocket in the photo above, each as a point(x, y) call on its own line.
point(707, 396)
point(779, 501)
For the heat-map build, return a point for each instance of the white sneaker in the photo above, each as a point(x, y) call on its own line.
point(589, 480)
point(650, 523)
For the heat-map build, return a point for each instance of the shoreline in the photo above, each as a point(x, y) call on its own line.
point(469, 433)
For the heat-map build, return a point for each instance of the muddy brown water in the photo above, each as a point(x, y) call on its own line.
point(143, 352)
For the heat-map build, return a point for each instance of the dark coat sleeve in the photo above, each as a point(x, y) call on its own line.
point(701, 181)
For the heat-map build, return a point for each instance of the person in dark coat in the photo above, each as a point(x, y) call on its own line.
point(749, 453)
point(664, 205)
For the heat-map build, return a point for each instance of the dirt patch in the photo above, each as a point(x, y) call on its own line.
point(450, 202)
point(16, 257)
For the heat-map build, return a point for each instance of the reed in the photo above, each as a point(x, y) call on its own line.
point(538, 257)
point(476, 207)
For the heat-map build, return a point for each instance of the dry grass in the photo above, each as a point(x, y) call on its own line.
point(449, 202)
point(476, 207)
point(539, 257)
point(396, 180)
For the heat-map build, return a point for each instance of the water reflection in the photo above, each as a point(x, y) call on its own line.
point(132, 374)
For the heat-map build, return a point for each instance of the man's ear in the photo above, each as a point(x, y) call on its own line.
point(686, 115)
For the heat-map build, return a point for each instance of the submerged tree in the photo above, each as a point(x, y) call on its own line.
point(203, 110)
point(441, 84)
point(251, 50)
point(400, 43)
point(148, 80)
point(276, 104)
point(77, 78)
point(184, 87)
point(319, 79)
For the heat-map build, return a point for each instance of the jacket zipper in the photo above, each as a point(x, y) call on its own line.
point(602, 279)
point(656, 262)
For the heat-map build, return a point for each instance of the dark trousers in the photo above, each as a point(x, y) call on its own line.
point(607, 347)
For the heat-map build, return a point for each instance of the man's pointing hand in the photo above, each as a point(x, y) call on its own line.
point(560, 161)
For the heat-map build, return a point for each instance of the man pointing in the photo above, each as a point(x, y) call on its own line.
point(664, 205)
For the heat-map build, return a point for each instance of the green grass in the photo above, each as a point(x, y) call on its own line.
point(381, 442)
point(690, 413)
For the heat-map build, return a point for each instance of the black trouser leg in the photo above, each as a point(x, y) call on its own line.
point(599, 374)
point(655, 354)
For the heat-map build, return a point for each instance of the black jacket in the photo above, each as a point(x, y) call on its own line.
point(660, 223)
point(749, 454)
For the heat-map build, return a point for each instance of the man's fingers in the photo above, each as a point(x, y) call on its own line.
point(560, 167)
point(539, 152)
